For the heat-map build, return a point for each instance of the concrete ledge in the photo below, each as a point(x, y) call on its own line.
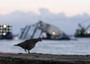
point(37, 58)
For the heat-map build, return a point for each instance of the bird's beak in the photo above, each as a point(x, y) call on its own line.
point(15, 45)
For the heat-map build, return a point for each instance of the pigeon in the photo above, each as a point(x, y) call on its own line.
point(27, 45)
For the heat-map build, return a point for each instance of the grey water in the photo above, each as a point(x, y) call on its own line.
point(81, 46)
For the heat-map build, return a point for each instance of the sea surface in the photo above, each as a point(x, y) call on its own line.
point(81, 46)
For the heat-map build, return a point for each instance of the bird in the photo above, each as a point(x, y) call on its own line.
point(27, 45)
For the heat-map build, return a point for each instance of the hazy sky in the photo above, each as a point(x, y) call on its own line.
point(69, 7)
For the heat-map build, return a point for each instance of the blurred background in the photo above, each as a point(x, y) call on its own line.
point(66, 15)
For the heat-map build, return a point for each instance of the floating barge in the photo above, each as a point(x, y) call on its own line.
point(38, 58)
point(82, 32)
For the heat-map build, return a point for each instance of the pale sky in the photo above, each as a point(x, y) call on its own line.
point(69, 7)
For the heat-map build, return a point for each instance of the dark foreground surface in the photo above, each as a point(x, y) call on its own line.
point(37, 58)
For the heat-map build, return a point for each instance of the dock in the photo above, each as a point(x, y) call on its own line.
point(39, 58)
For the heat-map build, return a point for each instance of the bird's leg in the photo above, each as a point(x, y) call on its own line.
point(25, 50)
point(28, 52)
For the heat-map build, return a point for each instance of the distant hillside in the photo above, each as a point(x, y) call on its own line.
point(68, 25)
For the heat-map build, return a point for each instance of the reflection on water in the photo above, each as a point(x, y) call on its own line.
point(80, 46)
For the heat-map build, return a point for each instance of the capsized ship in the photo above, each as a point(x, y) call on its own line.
point(5, 32)
point(52, 32)
point(82, 32)
point(48, 32)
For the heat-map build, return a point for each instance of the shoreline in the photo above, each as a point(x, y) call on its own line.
point(39, 58)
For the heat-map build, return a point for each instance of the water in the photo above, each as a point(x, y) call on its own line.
point(79, 47)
